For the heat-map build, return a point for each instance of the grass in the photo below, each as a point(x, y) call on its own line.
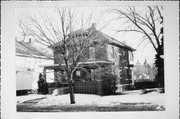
point(86, 108)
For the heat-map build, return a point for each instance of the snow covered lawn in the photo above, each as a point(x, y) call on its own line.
point(21, 99)
point(151, 101)
point(87, 99)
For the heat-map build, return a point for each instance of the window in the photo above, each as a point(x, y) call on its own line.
point(92, 53)
point(78, 73)
point(113, 70)
point(113, 52)
point(120, 61)
point(120, 73)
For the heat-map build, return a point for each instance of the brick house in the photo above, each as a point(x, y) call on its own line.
point(105, 55)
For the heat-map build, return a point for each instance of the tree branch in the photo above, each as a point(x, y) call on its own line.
point(130, 30)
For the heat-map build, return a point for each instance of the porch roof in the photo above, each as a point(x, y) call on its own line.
point(89, 64)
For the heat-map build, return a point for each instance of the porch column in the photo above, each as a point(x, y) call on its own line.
point(99, 87)
point(99, 72)
point(92, 74)
point(44, 74)
point(132, 76)
point(99, 82)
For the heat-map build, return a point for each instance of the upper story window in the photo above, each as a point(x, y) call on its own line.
point(92, 53)
point(113, 52)
point(123, 58)
point(124, 53)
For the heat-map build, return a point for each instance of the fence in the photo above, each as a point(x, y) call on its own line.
point(86, 87)
point(57, 85)
point(145, 83)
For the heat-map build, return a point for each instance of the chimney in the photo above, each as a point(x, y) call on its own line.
point(94, 25)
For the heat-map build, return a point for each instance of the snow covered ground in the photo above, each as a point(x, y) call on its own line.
point(86, 99)
point(154, 98)
point(21, 99)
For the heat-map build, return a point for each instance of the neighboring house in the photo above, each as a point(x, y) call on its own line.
point(106, 55)
point(29, 61)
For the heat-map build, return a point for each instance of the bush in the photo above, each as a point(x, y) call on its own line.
point(42, 88)
point(42, 85)
point(109, 83)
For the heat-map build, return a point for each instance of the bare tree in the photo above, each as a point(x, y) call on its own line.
point(149, 24)
point(60, 35)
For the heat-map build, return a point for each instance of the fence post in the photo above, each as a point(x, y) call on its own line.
point(99, 87)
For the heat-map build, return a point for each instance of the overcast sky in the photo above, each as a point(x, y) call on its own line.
point(105, 21)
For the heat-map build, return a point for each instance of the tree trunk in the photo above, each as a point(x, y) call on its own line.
point(71, 90)
point(159, 62)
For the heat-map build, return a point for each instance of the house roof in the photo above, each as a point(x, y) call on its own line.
point(100, 34)
point(111, 40)
point(116, 42)
point(79, 31)
point(25, 49)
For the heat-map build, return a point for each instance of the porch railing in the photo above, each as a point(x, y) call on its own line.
point(90, 87)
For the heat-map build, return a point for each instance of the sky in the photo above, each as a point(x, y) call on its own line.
point(106, 21)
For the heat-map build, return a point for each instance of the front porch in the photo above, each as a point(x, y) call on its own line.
point(91, 77)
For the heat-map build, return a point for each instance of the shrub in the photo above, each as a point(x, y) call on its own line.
point(109, 83)
point(42, 85)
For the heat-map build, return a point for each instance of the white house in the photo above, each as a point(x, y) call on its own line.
point(30, 57)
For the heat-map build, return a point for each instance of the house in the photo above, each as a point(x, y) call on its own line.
point(29, 61)
point(106, 55)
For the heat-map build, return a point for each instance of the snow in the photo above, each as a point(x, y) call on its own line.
point(21, 99)
point(153, 98)
point(88, 99)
